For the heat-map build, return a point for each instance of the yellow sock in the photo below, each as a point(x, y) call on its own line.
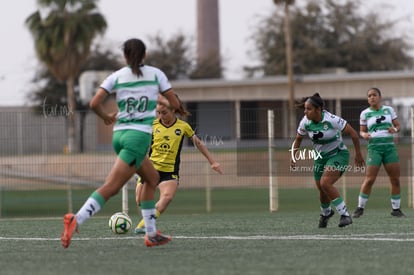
point(141, 224)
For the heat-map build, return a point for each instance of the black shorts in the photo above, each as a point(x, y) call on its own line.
point(164, 176)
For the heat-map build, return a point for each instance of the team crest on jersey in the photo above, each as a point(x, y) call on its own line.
point(325, 126)
point(165, 146)
point(317, 135)
point(178, 132)
point(379, 119)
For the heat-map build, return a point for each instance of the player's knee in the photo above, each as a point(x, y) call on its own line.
point(153, 181)
point(369, 181)
point(325, 185)
point(395, 181)
point(168, 197)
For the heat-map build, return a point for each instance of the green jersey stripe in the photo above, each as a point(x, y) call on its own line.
point(144, 121)
point(137, 84)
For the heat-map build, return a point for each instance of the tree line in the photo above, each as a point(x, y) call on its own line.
point(325, 35)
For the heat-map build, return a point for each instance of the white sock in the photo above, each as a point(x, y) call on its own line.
point(395, 201)
point(362, 200)
point(89, 208)
point(340, 206)
point(325, 209)
point(149, 219)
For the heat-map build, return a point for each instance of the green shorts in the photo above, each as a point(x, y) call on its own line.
point(338, 161)
point(378, 154)
point(131, 146)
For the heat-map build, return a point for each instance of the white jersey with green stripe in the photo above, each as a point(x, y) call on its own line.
point(136, 97)
point(378, 122)
point(326, 135)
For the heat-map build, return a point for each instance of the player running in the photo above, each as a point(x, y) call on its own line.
point(137, 87)
point(167, 140)
point(325, 130)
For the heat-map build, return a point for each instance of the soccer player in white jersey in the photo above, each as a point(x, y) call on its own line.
point(378, 125)
point(137, 87)
point(325, 131)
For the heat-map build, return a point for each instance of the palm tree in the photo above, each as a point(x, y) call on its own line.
point(63, 38)
point(289, 64)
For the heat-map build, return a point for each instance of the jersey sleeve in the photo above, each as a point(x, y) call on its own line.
point(163, 82)
point(393, 114)
point(338, 122)
point(188, 131)
point(363, 119)
point(301, 128)
point(109, 83)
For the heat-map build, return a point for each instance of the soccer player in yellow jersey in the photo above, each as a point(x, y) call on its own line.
point(167, 139)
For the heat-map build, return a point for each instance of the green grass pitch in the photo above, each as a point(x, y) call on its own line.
point(239, 236)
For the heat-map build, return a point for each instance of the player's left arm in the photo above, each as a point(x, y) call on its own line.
point(206, 153)
point(395, 126)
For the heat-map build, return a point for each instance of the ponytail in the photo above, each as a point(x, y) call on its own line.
point(134, 52)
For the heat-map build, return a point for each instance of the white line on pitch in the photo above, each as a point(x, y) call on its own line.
point(362, 237)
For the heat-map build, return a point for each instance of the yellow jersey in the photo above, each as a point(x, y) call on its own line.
point(167, 143)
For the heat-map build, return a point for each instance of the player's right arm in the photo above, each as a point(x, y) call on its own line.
point(363, 132)
point(206, 153)
point(96, 105)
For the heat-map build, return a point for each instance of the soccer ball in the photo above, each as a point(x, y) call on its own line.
point(120, 223)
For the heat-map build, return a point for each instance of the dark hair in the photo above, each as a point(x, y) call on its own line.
point(134, 52)
point(316, 100)
point(374, 89)
point(182, 111)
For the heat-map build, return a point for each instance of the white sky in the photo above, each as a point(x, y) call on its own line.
point(141, 19)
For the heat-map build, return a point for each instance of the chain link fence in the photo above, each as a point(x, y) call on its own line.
point(36, 171)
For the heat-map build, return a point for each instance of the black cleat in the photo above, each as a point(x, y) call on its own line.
point(358, 212)
point(344, 221)
point(323, 220)
point(397, 213)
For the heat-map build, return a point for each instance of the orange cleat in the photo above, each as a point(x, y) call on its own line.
point(69, 226)
point(158, 239)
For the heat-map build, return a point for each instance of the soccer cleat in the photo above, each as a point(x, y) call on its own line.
point(69, 226)
point(139, 230)
point(397, 213)
point(344, 221)
point(323, 220)
point(358, 212)
point(158, 239)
